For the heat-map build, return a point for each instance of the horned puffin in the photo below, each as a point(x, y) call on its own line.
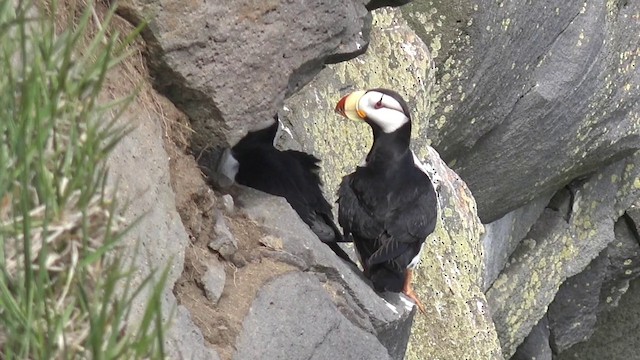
point(255, 162)
point(388, 205)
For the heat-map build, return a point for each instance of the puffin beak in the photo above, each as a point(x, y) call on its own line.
point(348, 106)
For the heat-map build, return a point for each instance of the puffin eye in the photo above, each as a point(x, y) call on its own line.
point(378, 105)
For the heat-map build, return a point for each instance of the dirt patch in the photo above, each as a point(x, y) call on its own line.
point(198, 206)
point(220, 324)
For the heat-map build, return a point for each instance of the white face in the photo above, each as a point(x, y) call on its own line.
point(383, 110)
point(227, 169)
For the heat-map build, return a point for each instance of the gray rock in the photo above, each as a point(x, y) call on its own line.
point(502, 236)
point(583, 297)
point(374, 4)
point(293, 317)
point(224, 242)
point(616, 336)
point(139, 168)
point(556, 249)
point(623, 264)
point(238, 260)
point(230, 66)
point(213, 280)
point(352, 296)
point(530, 94)
point(573, 312)
point(536, 345)
point(633, 214)
point(185, 340)
point(227, 203)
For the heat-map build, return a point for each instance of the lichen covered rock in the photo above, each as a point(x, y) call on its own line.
point(530, 95)
point(559, 246)
point(458, 323)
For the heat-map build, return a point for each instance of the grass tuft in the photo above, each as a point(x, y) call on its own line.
point(65, 292)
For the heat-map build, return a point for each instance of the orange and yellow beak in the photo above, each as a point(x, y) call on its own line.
point(348, 106)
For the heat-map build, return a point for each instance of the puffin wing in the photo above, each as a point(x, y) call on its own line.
point(387, 251)
point(407, 228)
point(353, 216)
point(416, 220)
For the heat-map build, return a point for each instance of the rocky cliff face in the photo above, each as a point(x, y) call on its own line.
point(533, 104)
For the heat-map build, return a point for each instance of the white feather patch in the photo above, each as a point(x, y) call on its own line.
point(227, 168)
point(390, 117)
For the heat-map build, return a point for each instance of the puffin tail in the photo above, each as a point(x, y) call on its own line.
point(384, 279)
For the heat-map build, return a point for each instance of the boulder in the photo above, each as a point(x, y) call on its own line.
point(293, 317)
point(449, 280)
point(229, 64)
point(598, 288)
point(536, 345)
point(616, 333)
point(559, 246)
point(502, 237)
point(573, 312)
point(139, 169)
point(530, 95)
point(347, 302)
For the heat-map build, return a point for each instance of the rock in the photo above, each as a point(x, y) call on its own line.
point(555, 250)
point(616, 335)
point(139, 168)
point(573, 311)
point(230, 66)
point(277, 328)
point(224, 242)
point(623, 265)
point(238, 260)
point(536, 345)
point(374, 4)
point(458, 323)
point(227, 203)
point(583, 297)
point(633, 214)
point(513, 75)
point(272, 242)
point(213, 281)
point(185, 340)
point(299, 246)
point(502, 237)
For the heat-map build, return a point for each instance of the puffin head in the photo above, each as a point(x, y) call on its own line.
point(382, 108)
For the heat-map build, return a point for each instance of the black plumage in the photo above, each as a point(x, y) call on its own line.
point(291, 174)
point(389, 205)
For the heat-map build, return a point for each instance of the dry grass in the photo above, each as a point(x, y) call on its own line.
point(64, 292)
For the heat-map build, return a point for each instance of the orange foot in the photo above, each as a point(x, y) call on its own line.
point(407, 289)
